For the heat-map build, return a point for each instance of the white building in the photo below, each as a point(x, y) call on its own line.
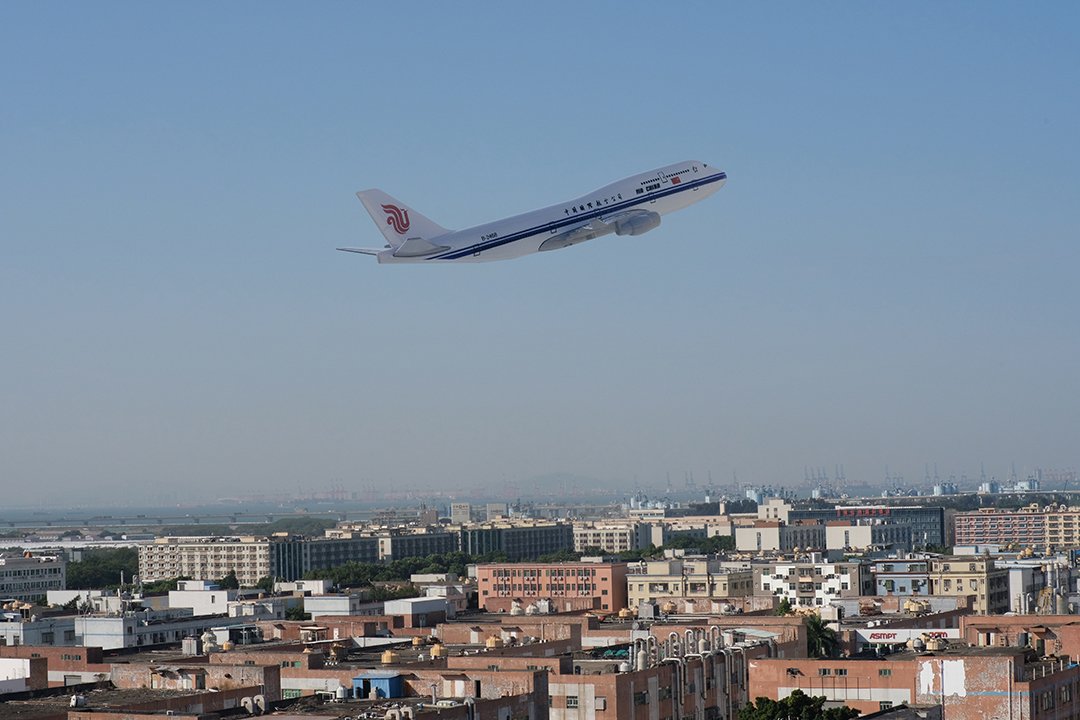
point(28, 577)
point(615, 536)
point(814, 582)
point(696, 578)
point(304, 587)
point(202, 597)
point(206, 598)
point(59, 631)
point(148, 628)
point(775, 536)
point(774, 509)
point(352, 604)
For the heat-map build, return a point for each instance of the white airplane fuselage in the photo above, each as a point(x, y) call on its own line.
point(631, 206)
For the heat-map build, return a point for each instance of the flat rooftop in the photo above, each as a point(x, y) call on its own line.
point(59, 704)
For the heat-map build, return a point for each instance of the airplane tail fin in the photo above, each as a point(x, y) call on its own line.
point(398, 221)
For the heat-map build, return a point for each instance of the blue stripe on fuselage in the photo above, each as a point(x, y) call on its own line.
point(577, 219)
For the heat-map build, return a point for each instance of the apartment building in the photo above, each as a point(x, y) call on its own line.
point(614, 536)
point(690, 578)
point(251, 558)
point(901, 576)
point(814, 582)
point(602, 584)
point(1025, 527)
point(928, 526)
point(27, 577)
point(973, 575)
point(396, 545)
point(520, 540)
point(1053, 527)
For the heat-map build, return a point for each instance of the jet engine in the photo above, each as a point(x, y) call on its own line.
point(636, 223)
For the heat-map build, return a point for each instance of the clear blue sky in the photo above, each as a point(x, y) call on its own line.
point(888, 278)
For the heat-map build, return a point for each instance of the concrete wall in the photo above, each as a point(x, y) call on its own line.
point(65, 665)
point(183, 676)
point(1060, 633)
point(194, 704)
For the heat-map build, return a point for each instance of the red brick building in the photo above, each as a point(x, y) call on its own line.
point(569, 586)
point(969, 683)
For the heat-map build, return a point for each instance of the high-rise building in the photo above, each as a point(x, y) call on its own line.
point(460, 513)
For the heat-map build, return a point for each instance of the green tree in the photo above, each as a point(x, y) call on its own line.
point(296, 612)
point(796, 706)
point(565, 555)
point(821, 639)
point(229, 582)
point(784, 607)
point(382, 593)
point(102, 568)
point(266, 584)
point(162, 586)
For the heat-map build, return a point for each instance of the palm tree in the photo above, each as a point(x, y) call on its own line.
point(821, 639)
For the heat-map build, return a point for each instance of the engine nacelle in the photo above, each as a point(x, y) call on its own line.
point(637, 224)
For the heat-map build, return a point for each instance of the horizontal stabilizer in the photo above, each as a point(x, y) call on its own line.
point(364, 251)
point(418, 247)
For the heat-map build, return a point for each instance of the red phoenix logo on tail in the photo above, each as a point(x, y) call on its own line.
point(397, 218)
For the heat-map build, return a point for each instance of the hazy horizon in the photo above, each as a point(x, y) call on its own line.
point(887, 279)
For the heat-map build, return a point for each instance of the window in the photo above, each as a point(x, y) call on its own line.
point(884, 672)
point(841, 671)
point(884, 705)
point(824, 671)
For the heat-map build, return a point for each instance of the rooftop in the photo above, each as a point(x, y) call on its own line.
point(59, 703)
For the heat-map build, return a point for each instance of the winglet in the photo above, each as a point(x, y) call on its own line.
point(363, 251)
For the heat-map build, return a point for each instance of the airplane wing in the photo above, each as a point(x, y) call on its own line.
point(363, 251)
point(593, 229)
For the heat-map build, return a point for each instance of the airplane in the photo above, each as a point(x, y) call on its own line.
point(631, 206)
